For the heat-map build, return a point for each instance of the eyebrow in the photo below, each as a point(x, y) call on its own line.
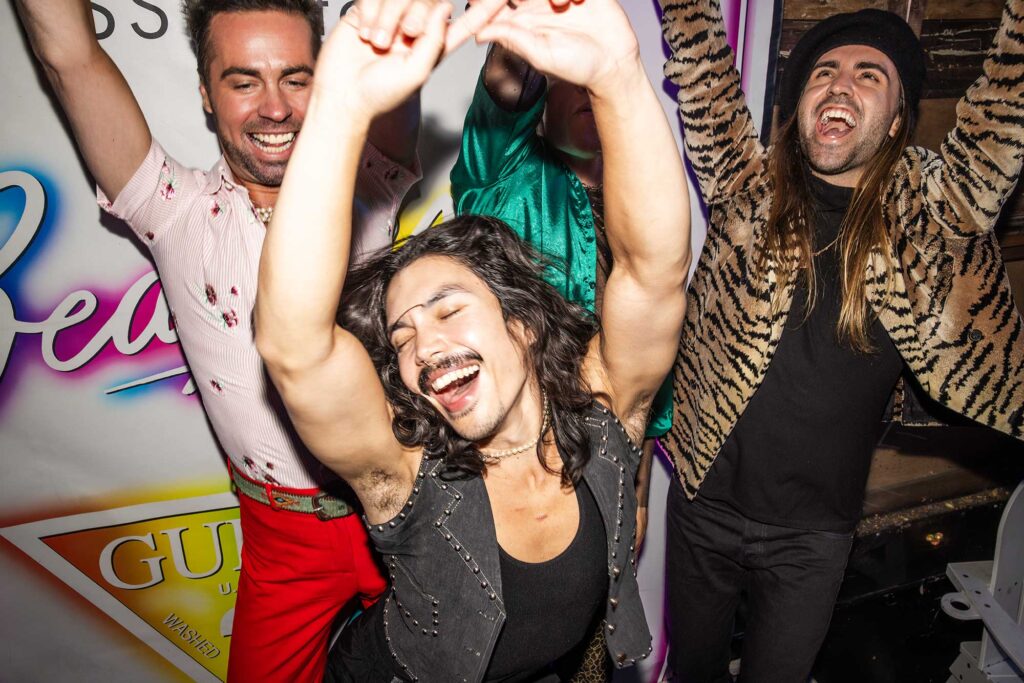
point(833, 64)
point(298, 69)
point(255, 73)
point(442, 292)
point(874, 66)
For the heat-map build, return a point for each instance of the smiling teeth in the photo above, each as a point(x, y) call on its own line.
point(277, 140)
point(274, 138)
point(444, 380)
point(838, 114)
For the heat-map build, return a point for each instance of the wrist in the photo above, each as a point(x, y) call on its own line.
point(334, 108)
point(619, 80)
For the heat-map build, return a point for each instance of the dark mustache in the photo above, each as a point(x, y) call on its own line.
point(450, 361)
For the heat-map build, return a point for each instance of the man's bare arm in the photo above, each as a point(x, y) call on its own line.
point(647, 213)
point(108, 124)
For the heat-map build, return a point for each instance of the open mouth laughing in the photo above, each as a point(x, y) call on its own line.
point(273, 143)
point(451, 382)
point(835, 122)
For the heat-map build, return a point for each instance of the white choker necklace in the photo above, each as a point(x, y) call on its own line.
point(264, 213)
point(494, 455)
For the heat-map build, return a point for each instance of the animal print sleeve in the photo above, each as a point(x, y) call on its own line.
point(721, 143)
point(982, 155)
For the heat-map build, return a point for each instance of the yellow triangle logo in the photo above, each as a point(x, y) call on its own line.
point(166, 571)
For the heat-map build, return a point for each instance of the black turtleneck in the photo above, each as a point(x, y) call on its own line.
point(800, 452)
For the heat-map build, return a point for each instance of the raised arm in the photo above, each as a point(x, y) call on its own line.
point(721, 143)
point(325, 376)
point(983, 153)
point(646, 200)
point(107, 122)
point(323, 373)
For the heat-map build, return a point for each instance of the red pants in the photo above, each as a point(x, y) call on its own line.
point(297, 572)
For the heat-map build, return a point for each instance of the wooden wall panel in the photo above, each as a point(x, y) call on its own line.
point(819, 9)
point(1011, 223)
point(932, 9)
point(935, 119)
point(956, 51)
point(963, 9)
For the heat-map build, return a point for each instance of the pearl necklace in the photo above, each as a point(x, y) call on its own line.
point(264, 213)
point(494, 455)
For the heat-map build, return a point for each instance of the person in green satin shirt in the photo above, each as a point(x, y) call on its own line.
point(531, 156)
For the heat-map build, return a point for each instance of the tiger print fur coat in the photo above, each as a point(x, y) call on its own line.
point(951, 315)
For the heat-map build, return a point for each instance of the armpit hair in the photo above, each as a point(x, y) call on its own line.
point(383, 489)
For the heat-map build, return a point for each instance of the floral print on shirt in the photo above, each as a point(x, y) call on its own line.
point(168, 182)
point(230, 317)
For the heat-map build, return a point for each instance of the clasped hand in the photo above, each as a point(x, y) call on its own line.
point(383, 50)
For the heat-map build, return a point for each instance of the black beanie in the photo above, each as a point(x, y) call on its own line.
point(875, 28)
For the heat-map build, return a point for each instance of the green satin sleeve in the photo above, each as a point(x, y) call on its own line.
point(504, 170)
point(661, 411)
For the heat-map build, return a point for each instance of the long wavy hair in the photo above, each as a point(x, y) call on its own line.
point(560, 332)
point(790, 228)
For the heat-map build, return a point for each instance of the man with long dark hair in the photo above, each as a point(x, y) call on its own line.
point(834, 260)
point(485, 423)
point(305, 552)
point(531, 156)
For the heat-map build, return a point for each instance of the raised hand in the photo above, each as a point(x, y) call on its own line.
point(375, 80)
point(382, 51)
point(584, 42)
point(382, 22)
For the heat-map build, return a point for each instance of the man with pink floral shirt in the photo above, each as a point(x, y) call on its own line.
point(305, 553)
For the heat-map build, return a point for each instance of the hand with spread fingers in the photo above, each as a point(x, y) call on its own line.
point(377, 79)
point(584, 42)
point(382, 51)
point(384, 22)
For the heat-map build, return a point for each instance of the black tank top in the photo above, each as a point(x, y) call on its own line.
point(551, 605)
point(550, 609)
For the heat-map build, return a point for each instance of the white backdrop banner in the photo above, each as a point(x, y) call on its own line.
point(119, 537)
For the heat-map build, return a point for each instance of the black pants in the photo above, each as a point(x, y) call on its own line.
point(790, 576)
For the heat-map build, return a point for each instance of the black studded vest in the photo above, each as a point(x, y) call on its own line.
point(445, 609)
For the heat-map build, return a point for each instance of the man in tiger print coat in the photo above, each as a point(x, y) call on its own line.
point(833, 260)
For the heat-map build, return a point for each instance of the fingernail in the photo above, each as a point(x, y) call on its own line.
point(381, 38)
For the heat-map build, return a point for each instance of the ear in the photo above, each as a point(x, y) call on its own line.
point(207, 107)
point(521, 333)
point(897, 120)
